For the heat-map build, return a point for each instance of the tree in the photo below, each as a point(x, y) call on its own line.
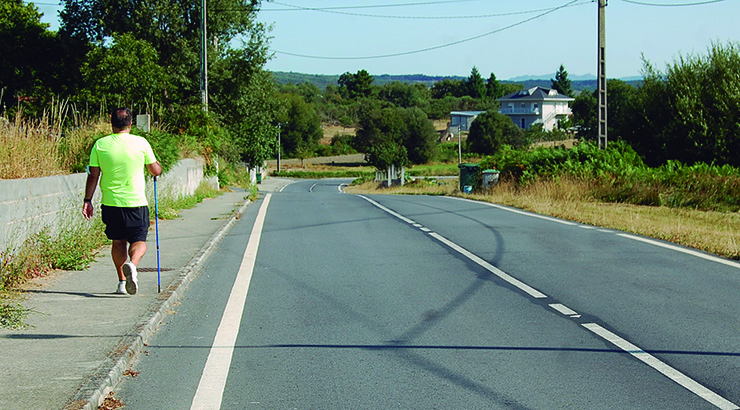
point(490, 131)
point(561, 83)
point(619, 96)
point(377, 126)
point(243, 94)
point(139, 84)
point(300, 126)
point(171, 27)
point(584, 115)
point(357, 85)
point(420, 137)
point(387, 154)
point(401, 94)
point(689, 113)
point(404, 134)
point(493, 86)
point(449, 88)
point(475, 84)
point(29, 61)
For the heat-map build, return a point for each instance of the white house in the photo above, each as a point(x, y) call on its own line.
point(536, 105)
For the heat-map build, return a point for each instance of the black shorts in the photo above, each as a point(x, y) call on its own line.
point(131, 224)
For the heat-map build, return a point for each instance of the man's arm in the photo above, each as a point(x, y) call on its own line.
point(92, 183)
point(154, 168)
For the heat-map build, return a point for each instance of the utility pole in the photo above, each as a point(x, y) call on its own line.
point(203, 57)
point(601, 87)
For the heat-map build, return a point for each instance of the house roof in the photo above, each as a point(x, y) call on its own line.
point(467, 113)
point(536, 94)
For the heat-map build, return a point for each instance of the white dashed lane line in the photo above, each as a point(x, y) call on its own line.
point(668, 371)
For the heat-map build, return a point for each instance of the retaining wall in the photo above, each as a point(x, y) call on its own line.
point(29, 205)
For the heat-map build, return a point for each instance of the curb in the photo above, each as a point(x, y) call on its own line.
point(92, 393)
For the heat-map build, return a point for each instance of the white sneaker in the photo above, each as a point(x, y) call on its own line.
point(129, 270)
point(121, 288)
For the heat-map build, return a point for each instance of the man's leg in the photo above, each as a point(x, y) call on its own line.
point(136, 251)
point(119, 253)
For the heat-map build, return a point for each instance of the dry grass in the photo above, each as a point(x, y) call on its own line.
point(420, 186)
point(331, 131)
point(28, 149)
point(715, 232)
point(40, 148)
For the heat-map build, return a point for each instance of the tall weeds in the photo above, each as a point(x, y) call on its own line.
point(32, 148)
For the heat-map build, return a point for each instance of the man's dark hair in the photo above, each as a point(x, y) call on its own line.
point(121, 118)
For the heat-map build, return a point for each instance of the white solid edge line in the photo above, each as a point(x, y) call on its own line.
point(475, 258)
point(516, 211)
point(624, 235)
point(496, 271)
point(666, 370)
point(213, 380)
point(397, 215)
point(684, 250)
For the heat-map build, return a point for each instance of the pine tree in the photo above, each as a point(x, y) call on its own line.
point(476, 84)
point(561, 83)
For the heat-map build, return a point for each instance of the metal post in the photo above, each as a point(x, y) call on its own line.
point(601, 86)
point(203, 57)
point(279, 149)
point(156, 229)
point(459, 143)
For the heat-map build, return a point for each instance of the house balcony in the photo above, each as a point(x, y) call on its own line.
point(519, 111)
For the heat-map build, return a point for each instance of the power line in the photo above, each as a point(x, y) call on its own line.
point(375, 6)
point(330, 10)
point(699, 3)
point(434, 47)
point(45, 4)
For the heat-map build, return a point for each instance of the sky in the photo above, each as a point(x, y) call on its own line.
point(503, 37)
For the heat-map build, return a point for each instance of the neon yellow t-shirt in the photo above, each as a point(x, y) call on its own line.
point(121, 158)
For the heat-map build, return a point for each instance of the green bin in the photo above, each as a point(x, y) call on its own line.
point(259, 177)
point(469, 177)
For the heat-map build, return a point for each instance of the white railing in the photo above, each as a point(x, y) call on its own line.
point(509, 110)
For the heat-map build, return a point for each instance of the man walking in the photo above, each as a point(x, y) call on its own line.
point(118, 160)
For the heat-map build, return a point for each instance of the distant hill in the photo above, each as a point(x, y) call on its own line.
point(322, 81)
point(571, 77)
point(580, 83)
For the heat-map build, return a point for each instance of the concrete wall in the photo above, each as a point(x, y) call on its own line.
point(29, 205)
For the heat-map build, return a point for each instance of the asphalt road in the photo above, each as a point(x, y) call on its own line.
point(324, 300)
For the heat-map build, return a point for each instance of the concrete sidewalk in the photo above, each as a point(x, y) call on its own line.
point(84, 337)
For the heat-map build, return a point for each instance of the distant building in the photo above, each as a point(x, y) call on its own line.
point(463, 119)
point(536, 105)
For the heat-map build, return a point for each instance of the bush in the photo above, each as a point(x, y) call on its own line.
point(618, 174)
point(340, 145)
point(165, 146)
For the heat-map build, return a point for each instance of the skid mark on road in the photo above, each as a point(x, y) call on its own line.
point(605, 334)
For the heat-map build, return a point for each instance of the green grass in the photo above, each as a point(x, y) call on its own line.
point(13, 316)
point(435, 170)
point(169, 207)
